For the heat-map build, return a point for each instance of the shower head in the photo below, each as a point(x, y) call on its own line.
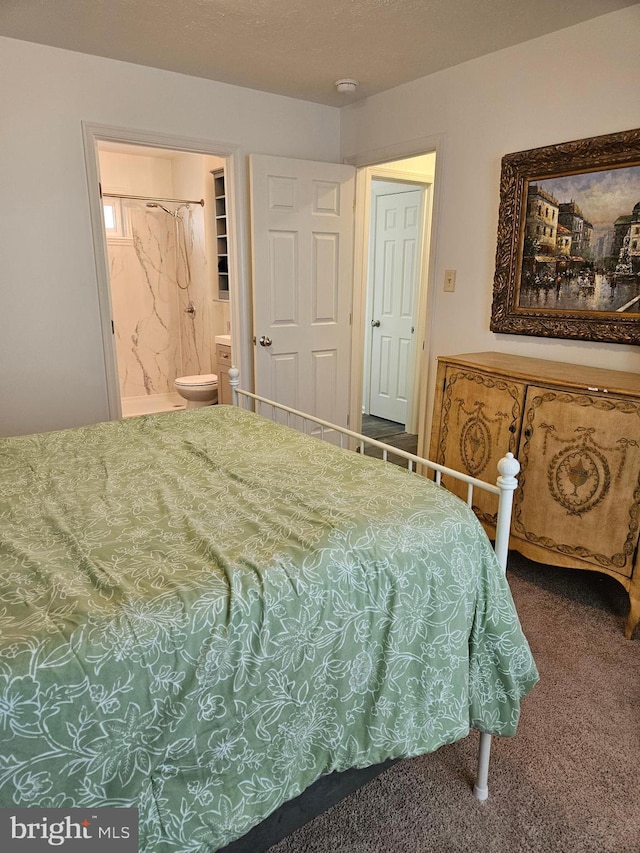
point(155, 204)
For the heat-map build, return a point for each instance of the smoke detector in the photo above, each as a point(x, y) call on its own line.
point(347, 85)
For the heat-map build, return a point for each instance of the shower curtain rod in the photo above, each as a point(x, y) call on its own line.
point(150, 198)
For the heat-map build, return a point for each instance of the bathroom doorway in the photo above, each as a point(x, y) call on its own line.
point(158, 205)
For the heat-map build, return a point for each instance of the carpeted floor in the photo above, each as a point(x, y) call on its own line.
point(569, 782)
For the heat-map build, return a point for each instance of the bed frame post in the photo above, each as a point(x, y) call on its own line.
point(234, 382)
point(481, 788)
point(508, 468)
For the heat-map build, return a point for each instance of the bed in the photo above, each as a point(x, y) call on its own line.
point(204, 612)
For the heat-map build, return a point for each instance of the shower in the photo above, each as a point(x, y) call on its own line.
point(159, 289)
point(181, 245)
point(173, 213)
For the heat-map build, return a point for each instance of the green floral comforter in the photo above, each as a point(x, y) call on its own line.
point(202, 612)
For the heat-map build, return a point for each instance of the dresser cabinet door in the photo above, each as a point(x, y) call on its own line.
point(579, 489)
point(479, 422)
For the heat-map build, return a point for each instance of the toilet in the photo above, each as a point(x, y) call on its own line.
point(198, 390)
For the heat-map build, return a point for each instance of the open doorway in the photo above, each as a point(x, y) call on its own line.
point(398, 206)
point(159, 210)
point(154, 212)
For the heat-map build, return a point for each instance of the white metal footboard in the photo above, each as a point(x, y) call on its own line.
point(506, 483)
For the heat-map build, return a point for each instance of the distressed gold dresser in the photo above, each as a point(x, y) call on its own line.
point(576, 433)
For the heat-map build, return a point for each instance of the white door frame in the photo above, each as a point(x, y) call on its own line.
point(239, 296)
point(366, 163)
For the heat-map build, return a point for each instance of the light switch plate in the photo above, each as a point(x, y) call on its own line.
point(449, 281)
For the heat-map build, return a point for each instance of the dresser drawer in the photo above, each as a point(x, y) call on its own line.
point(223, 353)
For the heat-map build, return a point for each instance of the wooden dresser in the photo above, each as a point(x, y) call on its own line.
point(576, 433)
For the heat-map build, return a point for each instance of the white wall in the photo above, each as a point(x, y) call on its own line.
point(51, 358)
point(576, 83)
point(192, 179)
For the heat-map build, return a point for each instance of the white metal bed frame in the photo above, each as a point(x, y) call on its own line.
point(508, 468)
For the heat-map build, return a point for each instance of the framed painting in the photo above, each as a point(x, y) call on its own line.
point(568, 252)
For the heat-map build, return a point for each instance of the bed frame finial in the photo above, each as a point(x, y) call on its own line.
point(234, 382)
point(508, 468)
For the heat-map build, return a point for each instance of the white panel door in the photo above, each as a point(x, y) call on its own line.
point(302, 247)
point(396, 260)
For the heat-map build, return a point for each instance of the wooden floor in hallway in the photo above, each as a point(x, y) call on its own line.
point(390, 433)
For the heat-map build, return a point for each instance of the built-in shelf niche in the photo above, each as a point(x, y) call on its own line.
point(222, 248)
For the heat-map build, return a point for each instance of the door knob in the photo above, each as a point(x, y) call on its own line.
point(375, 323)
point(265, 341)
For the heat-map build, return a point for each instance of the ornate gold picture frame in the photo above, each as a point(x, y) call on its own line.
point(568, 252)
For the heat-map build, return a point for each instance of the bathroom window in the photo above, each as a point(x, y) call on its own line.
point(114, 219)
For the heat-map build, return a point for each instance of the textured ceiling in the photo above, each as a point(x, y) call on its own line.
point(297, 48)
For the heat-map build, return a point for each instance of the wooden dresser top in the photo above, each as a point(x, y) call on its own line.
point(543, 371)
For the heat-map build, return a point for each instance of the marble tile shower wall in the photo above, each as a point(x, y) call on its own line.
point(158, 274)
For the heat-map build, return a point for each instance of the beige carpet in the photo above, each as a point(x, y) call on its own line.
point(568, 782)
